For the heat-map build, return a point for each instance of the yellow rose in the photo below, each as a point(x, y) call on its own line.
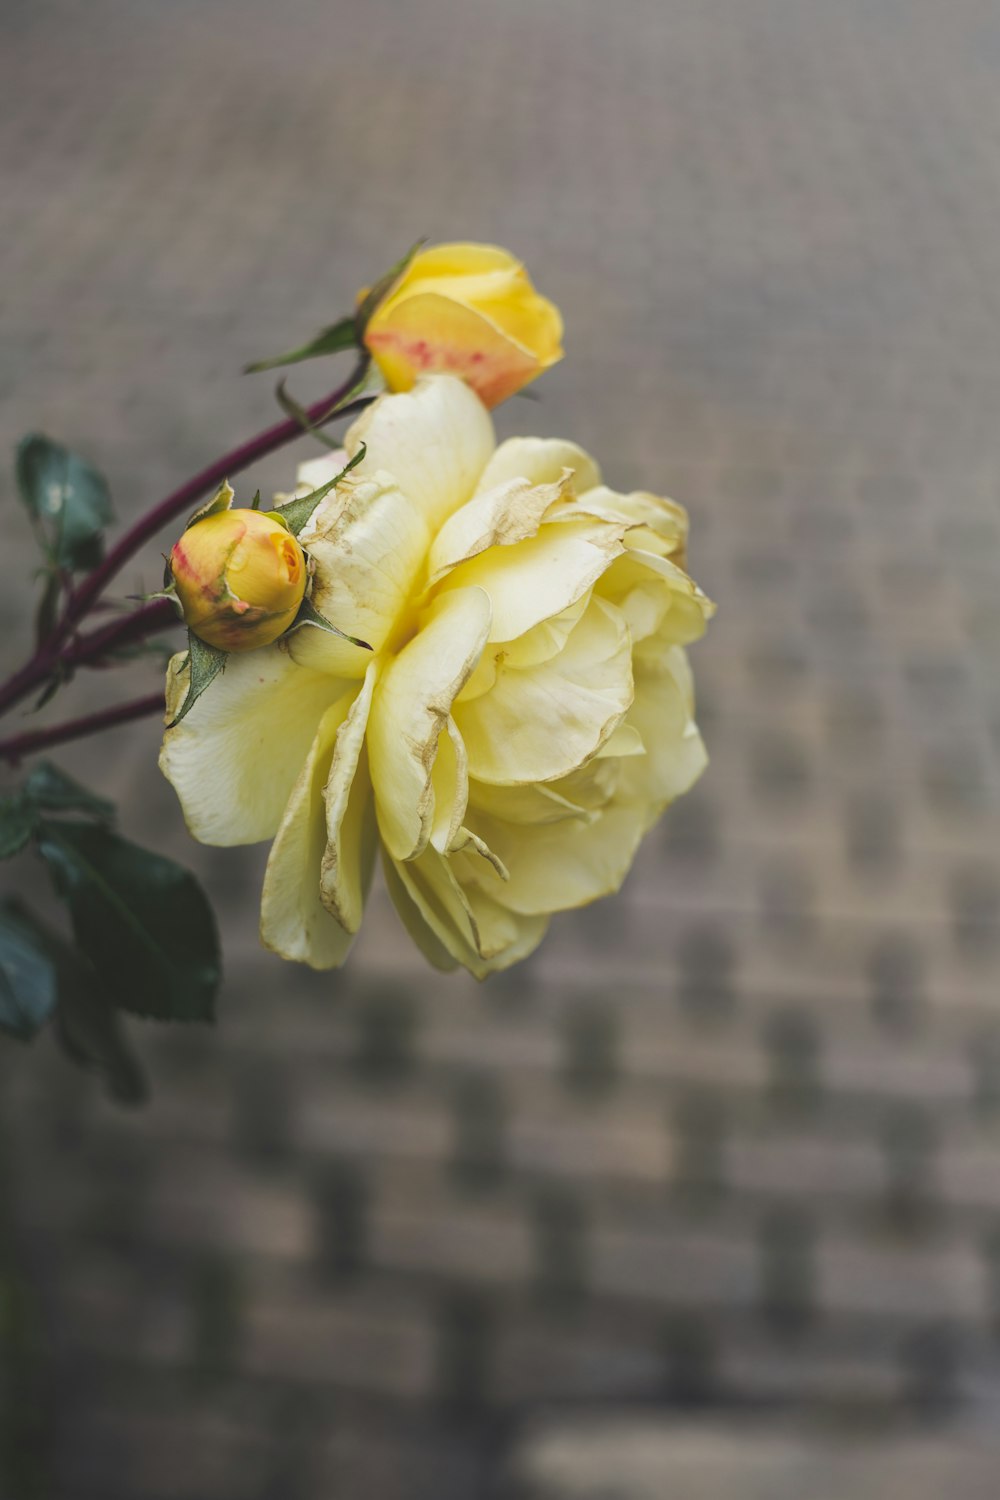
point(467, 310)
point(524, 717)
point(239, 577)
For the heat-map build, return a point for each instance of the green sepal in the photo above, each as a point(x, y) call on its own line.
point(205, 662)
point(67, 499)
point(329, 340)
point(309, 615)
point(255, 502)
point(369, 382)
point(382, 288)
point(221, 500)
point(140, 920)
point(296, 513)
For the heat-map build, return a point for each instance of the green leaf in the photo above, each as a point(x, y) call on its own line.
point(309, 615)
point(67, 497)
point(295, 513)
point(329, 340)
point(92, 1034)
point(143, 922)
point(17, 824)
point(87, 1028)
point(51, 790)
point(383, 287)
point(28, 977)
point(205, 662)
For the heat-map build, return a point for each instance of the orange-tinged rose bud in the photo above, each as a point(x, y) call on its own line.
point(239, 576)
point(467, 310)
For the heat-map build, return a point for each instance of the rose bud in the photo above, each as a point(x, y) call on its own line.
point(239, 576)
point(467, 310)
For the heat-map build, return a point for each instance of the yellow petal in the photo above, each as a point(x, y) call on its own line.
point(535, 803)
point(293, 920)
point(499, 517)
point(234, 759)
point(350, 823)
point(675, 754)
point(410, 915)
point(657, 598)
point(431, 333)
point(487, 279)
point(541, 461)
point(557, 866)
point(368, 554)
point(546, 639)
point(450, 780)
point(434, 441)
point(663, 523)
point(543, 722)
point(538, 578)
point(479, 933)
point(410, 709)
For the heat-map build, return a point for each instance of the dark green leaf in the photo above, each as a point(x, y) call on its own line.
point(68, 497)
point(382, 288)
point(51, 790)
point(205, 662)
point(142, 921)
point(17, 824)
point(92, 1034)
point(87, 1027)
point(330, 340)
point(28, 977)
point(309, 615)
point(295, 513)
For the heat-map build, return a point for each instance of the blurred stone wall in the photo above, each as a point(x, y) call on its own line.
point(729, 1142)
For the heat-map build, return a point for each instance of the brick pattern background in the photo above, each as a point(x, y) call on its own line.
point(729, 1141)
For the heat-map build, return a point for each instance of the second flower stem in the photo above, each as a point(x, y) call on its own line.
point(15, 749)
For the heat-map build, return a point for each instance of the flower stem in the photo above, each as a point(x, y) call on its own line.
point(53, 654)
point(13, 750)
point(93, 650)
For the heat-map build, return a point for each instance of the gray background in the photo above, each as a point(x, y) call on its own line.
point(721, 1162)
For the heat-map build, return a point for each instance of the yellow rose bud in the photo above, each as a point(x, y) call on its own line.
point(468, 310)
point(240, 577)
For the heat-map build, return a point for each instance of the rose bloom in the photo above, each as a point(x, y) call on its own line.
point(523, 719)
point(467, 310)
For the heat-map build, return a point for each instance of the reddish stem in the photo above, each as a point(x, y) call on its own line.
point(94, 648)
point(13, 750)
